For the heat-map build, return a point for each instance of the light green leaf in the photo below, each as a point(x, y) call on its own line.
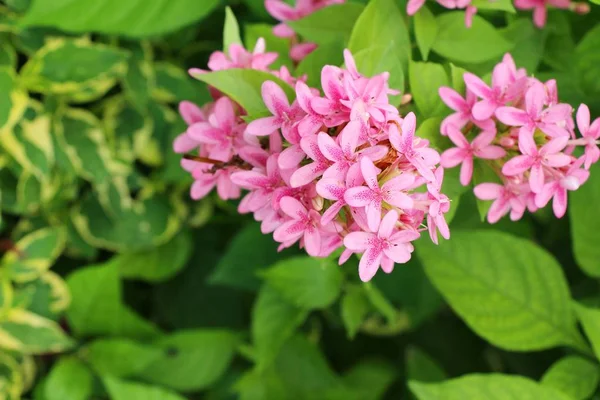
point(97, 306)
point(13, 100)
point(231, 30)
point(274, 321)
point(481, 42)
point(120, 358)
point(244, 86)
point(29, 333)
point(425, 30)
point(249, 252)
point(69, 379)
point(382, 22)
point(584, 223)
point(35, 254)
point(159, 263)
point(507, 289)
point(134, 18)
point(123, 390)
point(499, 5)
point(78, 70)
point(377, 59)
point(8, 56)
point(306, 282)
point(421, 367)
point(574, 376)
point(192, 360)
point(529, 42)
point(425, 79)
point(329, 24)
point(354, 308)
point(485, 386)
point(590, 320)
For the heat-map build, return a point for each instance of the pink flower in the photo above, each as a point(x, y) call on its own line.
point(440, 204)
point(372, 196)
point(309, 172)
point(312, 121)
point(262, 184)
point(493, 97)
point(384, 248)
point(509, 197)
point(534, 116)
point(222, 131)
point(481, 147)
point(241, 58)
point(285, 116)
point(539, 8)
point(548, 155)
point(590, 134)
point(557, 189)
point(333, 189)
point(303, 224)
point(205, 182)
point(422, 158)
point(463, 108)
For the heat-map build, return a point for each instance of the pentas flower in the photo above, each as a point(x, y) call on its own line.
point(525, 135)
point(282, 11)
point(333, 169)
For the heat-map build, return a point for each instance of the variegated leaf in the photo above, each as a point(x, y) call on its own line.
point(11, 378)
point(78, 70)
point(28, 333)
point(34, 254)
point(173, 85)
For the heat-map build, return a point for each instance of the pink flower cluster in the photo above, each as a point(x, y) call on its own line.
point(539, 8)
point(283, 12)
point(339, 170)
point(519, 129)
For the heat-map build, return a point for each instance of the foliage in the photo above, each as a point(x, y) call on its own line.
point(114, 284)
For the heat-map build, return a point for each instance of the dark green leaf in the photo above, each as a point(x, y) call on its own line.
point(421, 367)
point(425, 79)
point(123, 390)
point(354, 308)
point(69, 379)
point(120, 358)
point(130, 17)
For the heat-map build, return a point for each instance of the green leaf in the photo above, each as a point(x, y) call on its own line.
point(274, 321)
point(159, 263)
point(587, 58)
point(584, 223)
point(590, 320)
point(78, 70)
point(249, 252)
point(8, 56)
point(329, 24)
point(326, 54)
point(192, 360)
point(121, 358)
point(35, 254)
point(485, 386)
point(306, 282)
point(498, 5)
point(29, 333)
point(173, 85)
point(425, 30)
point(560, 45)
point(574, 376)
point(369, 379)
point(425, 79)
point(134, 18)
point(47, 296)
point(244, 86)
point(123, 390)
point(69, 379)
point(377, 59)
point(354, 308)
point(529, 42)
point(97, 306)
point(382, 22)
point(231, 31)
point(507, 289)
point(11, 377)
point(481, 42)
point(421, 367)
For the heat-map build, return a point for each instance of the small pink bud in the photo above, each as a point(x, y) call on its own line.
point(580, 8)
point(507, 142)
